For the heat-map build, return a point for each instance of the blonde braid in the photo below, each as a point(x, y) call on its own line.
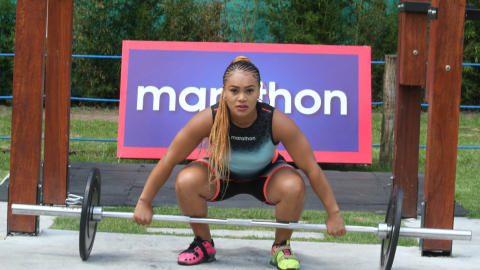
point(219, 141)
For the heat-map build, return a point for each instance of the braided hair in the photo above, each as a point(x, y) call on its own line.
point(241, 63)
point(219, 140)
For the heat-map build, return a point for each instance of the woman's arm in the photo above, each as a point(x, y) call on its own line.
point(184, 143)
point(297, 145)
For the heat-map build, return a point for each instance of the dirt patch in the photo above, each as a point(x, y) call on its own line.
point(86, 113)
point(79, 113)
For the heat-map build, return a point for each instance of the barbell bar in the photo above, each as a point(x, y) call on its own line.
point(90, 213)
point(98, 214)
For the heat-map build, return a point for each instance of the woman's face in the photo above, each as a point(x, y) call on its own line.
point(241, 91)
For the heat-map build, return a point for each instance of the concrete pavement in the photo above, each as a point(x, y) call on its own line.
point(56, 249)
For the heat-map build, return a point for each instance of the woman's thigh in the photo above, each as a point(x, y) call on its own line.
point(195, 178)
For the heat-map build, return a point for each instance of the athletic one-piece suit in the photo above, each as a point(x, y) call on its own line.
point(254, 157)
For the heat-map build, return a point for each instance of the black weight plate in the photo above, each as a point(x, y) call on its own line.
point(393, 219)
point(88, 227)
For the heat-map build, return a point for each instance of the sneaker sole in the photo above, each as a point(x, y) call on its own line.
point(276, 265)
point(210, 258)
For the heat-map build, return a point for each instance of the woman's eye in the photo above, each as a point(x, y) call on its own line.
point(234, 91)
point(250, 91)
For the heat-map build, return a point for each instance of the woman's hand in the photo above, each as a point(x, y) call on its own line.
point(335, 224)
point(143, 213)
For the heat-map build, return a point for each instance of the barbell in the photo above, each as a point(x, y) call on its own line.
point(91, 213)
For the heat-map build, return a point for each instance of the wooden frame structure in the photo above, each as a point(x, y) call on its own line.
point(443, 94)
point(443, 85)
point(27, 105)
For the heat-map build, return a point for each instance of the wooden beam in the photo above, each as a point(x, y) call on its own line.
point(406, 142)
point(27, 110)
point(412, 47)
point(388, 116)
point(57, 102)
point(412, 53)
point(443, 86)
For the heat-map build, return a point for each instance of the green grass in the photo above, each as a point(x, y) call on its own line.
point(309, 216)
point(79, 150)
point(467, 190)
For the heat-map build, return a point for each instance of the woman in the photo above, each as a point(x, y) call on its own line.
point(243, 158)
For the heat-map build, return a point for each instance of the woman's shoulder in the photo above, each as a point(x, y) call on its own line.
point(265, 107)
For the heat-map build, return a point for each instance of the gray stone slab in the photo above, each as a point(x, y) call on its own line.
point(112, 167)
point(55, 249)
point(344, 183)
point(76, 164)
point(372, 208)
point(113, 200)
point(80, 174)
point(361, 195)
point(147, 167)
point(4, 190)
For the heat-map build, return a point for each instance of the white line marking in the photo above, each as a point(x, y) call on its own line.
point(6, 177)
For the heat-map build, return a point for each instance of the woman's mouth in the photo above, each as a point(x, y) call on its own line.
point(242, 107)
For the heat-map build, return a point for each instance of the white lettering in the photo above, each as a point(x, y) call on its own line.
point(316, 104)
point(156, 97)
point(263, 92)
point(280, 92)
point(214, 93)
point(343, 101)
point(243, 138)
point(201, 94)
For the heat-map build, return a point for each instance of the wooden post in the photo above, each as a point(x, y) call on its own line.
point(444, 76)
point(412, 54)
point(389, 86)
point(27, 110)
point(57, 102)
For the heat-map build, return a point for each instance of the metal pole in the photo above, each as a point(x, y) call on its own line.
point(382, 230)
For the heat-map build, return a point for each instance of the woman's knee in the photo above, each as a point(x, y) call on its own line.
point(293, 187)
point(288, 185)
point(184, 181)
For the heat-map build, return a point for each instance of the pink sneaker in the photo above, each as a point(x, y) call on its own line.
point(199, 251)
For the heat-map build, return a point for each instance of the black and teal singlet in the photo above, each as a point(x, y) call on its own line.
point(252, 148)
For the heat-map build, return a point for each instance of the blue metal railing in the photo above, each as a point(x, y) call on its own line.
point(117, 100)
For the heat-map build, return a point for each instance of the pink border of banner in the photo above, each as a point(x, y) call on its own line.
point(363, 156)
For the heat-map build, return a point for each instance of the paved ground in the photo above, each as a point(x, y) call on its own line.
point(55, 249)
point(122, 184)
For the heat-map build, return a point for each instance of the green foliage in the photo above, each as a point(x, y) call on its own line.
point(245, 21)
point(375, 24)
point(7, 41)
point(471, 74)
point(100, 26)
point(305, 22)
point(359, 22)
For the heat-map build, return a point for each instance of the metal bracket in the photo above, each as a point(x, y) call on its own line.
point(471, 13)
point(409, 6)
point(432, 13)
